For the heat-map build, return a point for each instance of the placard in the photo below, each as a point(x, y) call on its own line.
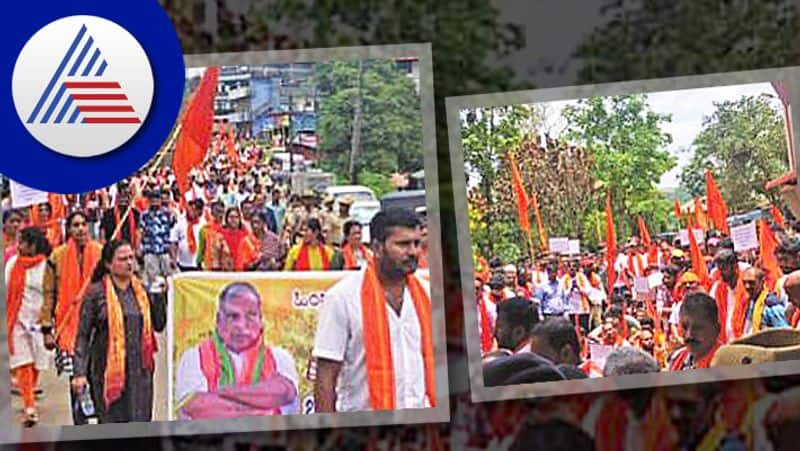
point(23, 196)
point(744, 237)
point(559, 246)
point(655, 280)
point(699, 236)
point(599, 353)
point(574, 247)
point(640, 285)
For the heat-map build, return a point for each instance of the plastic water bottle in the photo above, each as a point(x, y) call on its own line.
point(85, 399)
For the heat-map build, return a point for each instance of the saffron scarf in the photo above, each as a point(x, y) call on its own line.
point(217, 368)
point(132, 231)
point(114, 378)
point(248, 253)
point(233, 237)
point(190, 223)
point(758, 311)
point(16, 289)
point(73, 280)
point(741, 302)
point(683, 354)
point(377, 342)
point(350, 260)
point(303, 262)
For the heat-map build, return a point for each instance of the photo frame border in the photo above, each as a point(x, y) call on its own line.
point(454, 107)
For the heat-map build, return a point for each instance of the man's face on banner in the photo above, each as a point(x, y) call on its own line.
point(239, 322)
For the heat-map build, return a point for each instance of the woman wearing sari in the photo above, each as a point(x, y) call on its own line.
point(116, 343)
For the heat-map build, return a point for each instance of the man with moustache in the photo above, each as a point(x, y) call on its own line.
point(764, 310)
point(233, 373)
point(701, 330)
point(374, 343)
point(730, 295)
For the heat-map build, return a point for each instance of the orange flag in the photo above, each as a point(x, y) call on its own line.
point(678, 214)
point(611, 244)
point(700, 216)
point(777, 216)
point(769, 262)
point(539, 224)
point(653, 313)
point(644, 235)
point(195, 135)
point(717, 210)
point(522, 196)
point(698, 262)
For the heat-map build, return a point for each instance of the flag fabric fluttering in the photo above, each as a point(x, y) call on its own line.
point(767, 245)
point(195, 134)
point(698, 262)
point(778, 217)
point(700, 215)
point(644, 234)
point(522, 196)
point(611, 244)
point(233, 155)
point(717, 210)
point(678, 214)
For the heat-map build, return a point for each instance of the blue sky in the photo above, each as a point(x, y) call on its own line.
point(688, 108)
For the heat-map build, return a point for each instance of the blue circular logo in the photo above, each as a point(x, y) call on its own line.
point(96, 88)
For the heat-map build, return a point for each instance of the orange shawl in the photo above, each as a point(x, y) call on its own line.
point(73, 280)
point(248, 253)
point(304, 264)
point(52, 229)
point(683, 354)
point(487, 339)
point(114, 378)
point(16, 288)
point(350, 260)
point(377, 344)
point(190, 223)
point(741, 302)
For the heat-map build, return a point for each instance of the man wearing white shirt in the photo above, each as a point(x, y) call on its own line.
point(185, 236)
point(233, 373)
point(373, 342)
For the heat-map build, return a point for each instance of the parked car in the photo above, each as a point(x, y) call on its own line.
point(411, 199)
point(357, 192)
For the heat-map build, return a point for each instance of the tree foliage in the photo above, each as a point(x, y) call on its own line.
point(744, 145)
point(629, 147)
point(391, 138)
point(663, 38)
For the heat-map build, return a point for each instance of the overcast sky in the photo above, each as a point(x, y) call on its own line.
point(688, 108)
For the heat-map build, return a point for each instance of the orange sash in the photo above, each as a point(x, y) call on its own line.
point(741, 302)
point(16, 288)
point(377, 344)
point(73, 280)
point(114, 378)
point(190, 223)
point(249, 252)
point(303, 263)
point(683, 354)
point(350, 260)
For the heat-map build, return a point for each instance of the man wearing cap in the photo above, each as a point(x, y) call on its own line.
point(730, 295)
point(338, 220)
point(156, 224)
point(328, 219)
point(699, 321)
point(510, 278)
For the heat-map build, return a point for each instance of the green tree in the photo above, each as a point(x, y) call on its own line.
point(629, 147)
point(744, 145)
point(391, 123)
point(663, 38)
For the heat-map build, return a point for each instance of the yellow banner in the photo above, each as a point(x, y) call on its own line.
point(289, 300)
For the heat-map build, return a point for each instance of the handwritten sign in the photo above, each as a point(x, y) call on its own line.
point(744, 237)
point(23, 196)
point(559, 245)
point(655, 280)
point(574, 247)
point(599, 353)
point(640, 285)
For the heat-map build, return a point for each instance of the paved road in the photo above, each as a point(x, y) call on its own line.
point(54, 407)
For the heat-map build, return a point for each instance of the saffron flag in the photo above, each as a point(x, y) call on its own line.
point(767, 244)
point(678, 214)
point(644, 234)
point(777, 216)
point(611, 244)
point(539, 224)
point(698, 262)
point(195, 134)
point(717, 210)
point(700, 216)
point(231, 146)
point(522, 196)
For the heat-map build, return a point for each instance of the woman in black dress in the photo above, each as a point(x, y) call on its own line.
point(116, 344)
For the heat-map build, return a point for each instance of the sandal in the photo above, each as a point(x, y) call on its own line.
point(31, 417)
